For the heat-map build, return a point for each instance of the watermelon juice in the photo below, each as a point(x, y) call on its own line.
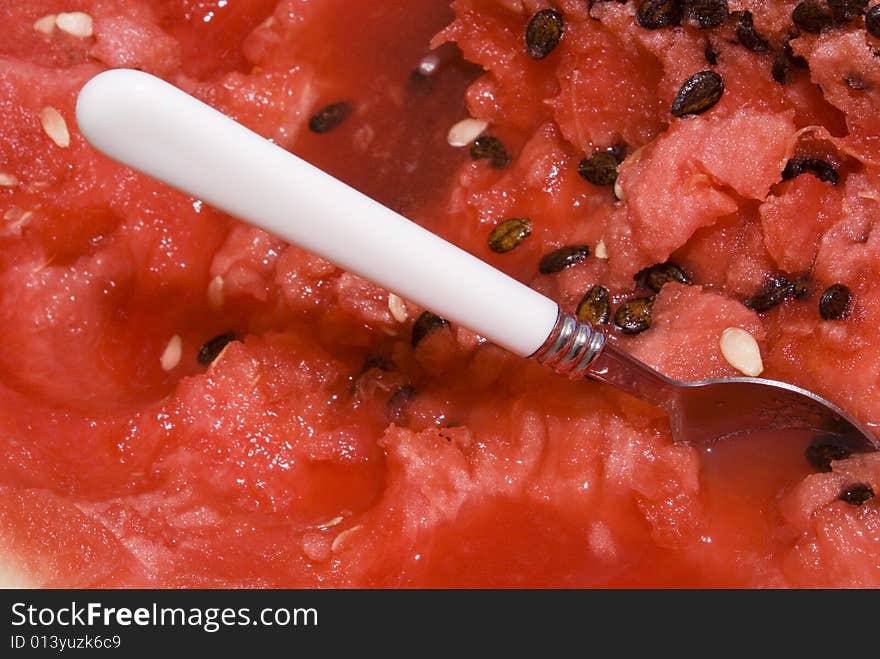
point(190, 402)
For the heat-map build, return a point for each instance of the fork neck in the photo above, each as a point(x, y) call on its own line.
point(578, 349)
point(619, 369)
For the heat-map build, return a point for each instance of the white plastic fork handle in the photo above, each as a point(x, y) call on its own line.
point(151, 126)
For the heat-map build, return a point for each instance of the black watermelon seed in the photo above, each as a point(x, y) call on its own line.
point(662, 273)
point(487, 147)
point(213, 347)
point(600, 168)
point(785, 61)
point(872, 21)
point(710, 53)
point(635, 316)
point(835, 302)
point(656, 14)
point(397, 402)
point(543, 33)
point(775, 290)
point(595, 306)
point(419, 83)
point(427, 323)
point(508, 235)
point(855, 81)
point(329, 117)
point(800, 288)
point(706, 14)
point(618, 151)
point(782, 65)
point(699, 93)
point(843, 11)
point(857, 494)
point(562, 258)
point(821, 169)
point(379, 363)
point(748, 36)
point(823, 450)
point(811, 17)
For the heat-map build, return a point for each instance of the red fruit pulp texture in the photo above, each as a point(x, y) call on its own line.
point(322, 449)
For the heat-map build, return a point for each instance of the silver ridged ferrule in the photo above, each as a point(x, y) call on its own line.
point(571, 347)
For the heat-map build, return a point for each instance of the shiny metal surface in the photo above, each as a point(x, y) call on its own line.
point(699, 412)
point(571, 347)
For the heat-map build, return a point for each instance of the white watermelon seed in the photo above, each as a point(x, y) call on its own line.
point(741, 351)
point(172, 354)
point(397, 307)
point(466, 131)
point(55, 126)
point(76, 23)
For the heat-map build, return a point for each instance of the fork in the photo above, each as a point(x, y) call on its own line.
point(151, 126)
